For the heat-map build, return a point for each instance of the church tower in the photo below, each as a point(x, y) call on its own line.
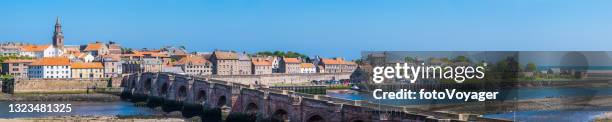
point(58, 36)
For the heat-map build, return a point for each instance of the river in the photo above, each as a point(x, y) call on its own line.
point(519, 94)
point(82, 109)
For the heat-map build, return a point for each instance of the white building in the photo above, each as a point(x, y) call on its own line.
point(39, 51)
point(308, 68)
point(50, 67)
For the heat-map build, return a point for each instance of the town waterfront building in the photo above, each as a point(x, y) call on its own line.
point(50, 67)
point(85, 70)
point(290, 65)
point(195, 65)
point(96, 49)
point(261, 66)
point(244, 64)
point(337, 65)
point(307, 68)
point(224, 63)
point(112, 65)
point(39, 51)
point(16, 68)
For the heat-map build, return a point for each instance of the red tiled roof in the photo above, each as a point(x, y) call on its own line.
point(83, 65)
point(196, 60)
point(307, 65)
point(261, 62)
point(52, 61)
point(34, 48)
point(291, 60)
point(225, 55)
point(94, 47)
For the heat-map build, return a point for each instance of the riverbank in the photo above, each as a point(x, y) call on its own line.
point(540, 104)
point(77, 118)
point(48, 97)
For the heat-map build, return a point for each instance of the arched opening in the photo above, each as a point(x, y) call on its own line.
point(201, 96)
point(182, 93)
point(358, 121)
point(251, 109)
point(163, 90)
point(221, 101)
point(148, 86)
point(280, 115)
point(133, 87)
point(315, 118)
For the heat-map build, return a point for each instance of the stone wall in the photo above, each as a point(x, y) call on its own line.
point(56, 85)
point(281, 78)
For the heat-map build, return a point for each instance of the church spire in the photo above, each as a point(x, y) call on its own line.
point(58, 36)
point(57, 21)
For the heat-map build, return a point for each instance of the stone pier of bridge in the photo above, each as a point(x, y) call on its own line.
point(266, 102)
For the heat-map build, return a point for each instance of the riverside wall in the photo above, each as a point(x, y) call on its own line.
point(59, 85)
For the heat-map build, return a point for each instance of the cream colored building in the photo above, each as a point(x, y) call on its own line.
point(87, 70)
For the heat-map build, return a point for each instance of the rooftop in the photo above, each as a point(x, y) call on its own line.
point(51, 61)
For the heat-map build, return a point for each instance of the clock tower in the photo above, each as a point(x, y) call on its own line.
point(58, 36)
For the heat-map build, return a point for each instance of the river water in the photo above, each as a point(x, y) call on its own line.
point(519, 94)
point(124, 108)
point(82, 109)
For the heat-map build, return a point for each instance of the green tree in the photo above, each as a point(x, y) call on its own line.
point(409, 59)
point(461, 59)
point(531, 67)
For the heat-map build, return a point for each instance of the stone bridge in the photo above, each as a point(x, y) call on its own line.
point(181, 91)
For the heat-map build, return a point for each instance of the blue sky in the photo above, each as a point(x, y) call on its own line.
point(318, 27)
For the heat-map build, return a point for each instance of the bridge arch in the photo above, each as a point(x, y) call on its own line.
point(280, 115)
point(163, 90)
point(222, 101)
point(133, 86)
point(147, 85)
point(201, 96)
point(251, 108)
point(182, 93)
point(315, 118)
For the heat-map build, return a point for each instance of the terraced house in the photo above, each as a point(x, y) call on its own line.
point(195, 65)
point(87, 70)
point(261, 66)
point(16, 68)
point(290, 65)
point(224, 63)
point(50, 67)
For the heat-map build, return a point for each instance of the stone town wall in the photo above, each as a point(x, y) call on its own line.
point(54, 85)
point(281, 78)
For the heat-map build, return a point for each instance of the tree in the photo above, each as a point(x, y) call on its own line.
point(409, 59)
point(531, 67)
point(289, 54)
point(461, 59)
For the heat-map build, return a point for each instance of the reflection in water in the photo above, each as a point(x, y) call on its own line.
point(82, 109)
point(550, 116)
point(522, 94)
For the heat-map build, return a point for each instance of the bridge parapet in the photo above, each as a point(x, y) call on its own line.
point(270, 102)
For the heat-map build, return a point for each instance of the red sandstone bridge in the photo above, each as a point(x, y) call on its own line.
point(185, 93)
